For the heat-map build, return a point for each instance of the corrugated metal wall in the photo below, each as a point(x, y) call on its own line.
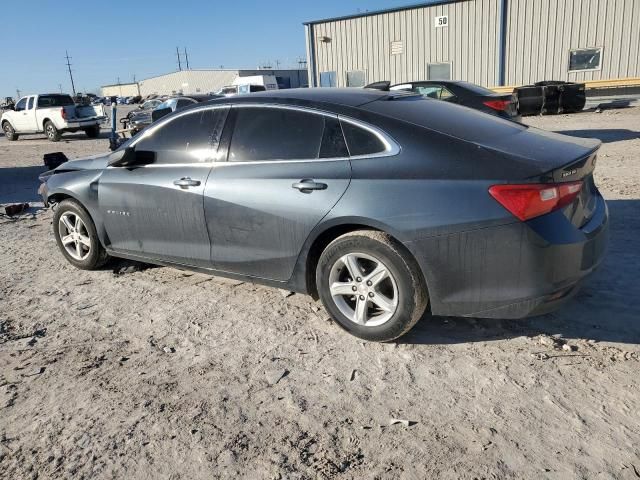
point(470, 43)
point(539, 36)
point(541, 33)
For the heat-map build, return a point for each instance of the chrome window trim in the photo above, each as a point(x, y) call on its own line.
point(392, 148)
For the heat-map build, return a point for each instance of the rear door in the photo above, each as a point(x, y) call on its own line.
point(156, 210)
point(287, 167)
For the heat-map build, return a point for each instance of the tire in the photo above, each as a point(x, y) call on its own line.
point(92, 132)
point(89, 256)
point(51, 131)
point(9, 132)
point(401, 291)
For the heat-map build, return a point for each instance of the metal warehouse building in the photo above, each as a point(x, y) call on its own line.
point(488, 42)
point(188, 82)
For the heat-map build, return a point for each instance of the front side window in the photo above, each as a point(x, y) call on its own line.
point(21, 105)
point(361, 141)
point(585, 59)
point(190, 138)
point(275, 134)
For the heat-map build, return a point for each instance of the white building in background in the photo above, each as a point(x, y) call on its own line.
point(488, 42)
point(121, 90)
point(189, 82)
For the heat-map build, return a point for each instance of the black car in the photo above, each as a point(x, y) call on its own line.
point(383, 204)
point(462, 93)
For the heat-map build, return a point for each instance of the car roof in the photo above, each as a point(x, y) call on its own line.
point(349, 97)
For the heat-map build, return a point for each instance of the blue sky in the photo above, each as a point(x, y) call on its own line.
point(120, 38)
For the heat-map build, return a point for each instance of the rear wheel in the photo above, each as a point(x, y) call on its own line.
point(76, 236)
point(9, 132)
point(51, 131)
point(370, 286)
point(92, 132)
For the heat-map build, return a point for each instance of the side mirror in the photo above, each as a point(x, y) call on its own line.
point(129, 157)
point(159, 113)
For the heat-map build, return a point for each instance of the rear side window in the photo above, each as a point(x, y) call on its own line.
point(45, 101)
point(30, 103)
point(189, 138)
point(184, 102)
point(275, 134)
point(361, 141)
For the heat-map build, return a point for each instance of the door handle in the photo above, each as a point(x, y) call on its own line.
point(186, 182)
point(306, 185)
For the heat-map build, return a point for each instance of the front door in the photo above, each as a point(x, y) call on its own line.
point(19, 118)
point(156, 210)
point(286, 169)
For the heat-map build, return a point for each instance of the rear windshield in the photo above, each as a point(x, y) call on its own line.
point(45, 101)
point(477, 89)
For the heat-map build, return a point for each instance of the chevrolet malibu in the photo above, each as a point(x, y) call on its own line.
point(382, 204)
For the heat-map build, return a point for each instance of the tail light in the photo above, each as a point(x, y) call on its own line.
point(63, 113)
point(531, 200)
point(498, 104)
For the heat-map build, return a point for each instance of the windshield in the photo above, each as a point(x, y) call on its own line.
point(45, 101)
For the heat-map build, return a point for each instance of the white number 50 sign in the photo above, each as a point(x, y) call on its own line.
point(442, 21)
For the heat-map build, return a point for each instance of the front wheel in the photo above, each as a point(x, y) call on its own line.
point(51, 131)
point(76, 236)
point(371, 286)
point(9, 132)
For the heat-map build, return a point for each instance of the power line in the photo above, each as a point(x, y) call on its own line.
point(73, 87)
point(186, 56)
point(179, 64)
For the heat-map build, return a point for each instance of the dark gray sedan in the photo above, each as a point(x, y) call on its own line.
point(382, 204)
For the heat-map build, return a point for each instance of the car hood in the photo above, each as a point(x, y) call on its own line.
point(94, 162)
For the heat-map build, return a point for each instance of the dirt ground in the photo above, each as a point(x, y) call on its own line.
point(161, 374)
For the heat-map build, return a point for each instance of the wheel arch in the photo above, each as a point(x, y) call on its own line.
point(327, 233)
point(45, 120)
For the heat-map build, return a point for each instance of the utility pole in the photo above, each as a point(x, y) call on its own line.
point(60, 87)
point(118, 80)
point(73, 87)
point(179, 64)
point(186, 57)
point(18, 92)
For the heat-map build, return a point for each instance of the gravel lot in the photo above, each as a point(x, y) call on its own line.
point(156, 373)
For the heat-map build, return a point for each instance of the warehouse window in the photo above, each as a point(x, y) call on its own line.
point(327, 79)
point(439, 71)
point(585, 59)
point(356, 78)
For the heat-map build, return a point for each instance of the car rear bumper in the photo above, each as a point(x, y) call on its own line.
point(510, 271)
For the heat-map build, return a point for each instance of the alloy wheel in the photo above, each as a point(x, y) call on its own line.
point(74, 236)
point(364, 289)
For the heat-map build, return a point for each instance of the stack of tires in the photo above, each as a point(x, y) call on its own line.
point(551, 97)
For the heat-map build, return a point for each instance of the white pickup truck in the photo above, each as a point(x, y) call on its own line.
point(52, 114)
